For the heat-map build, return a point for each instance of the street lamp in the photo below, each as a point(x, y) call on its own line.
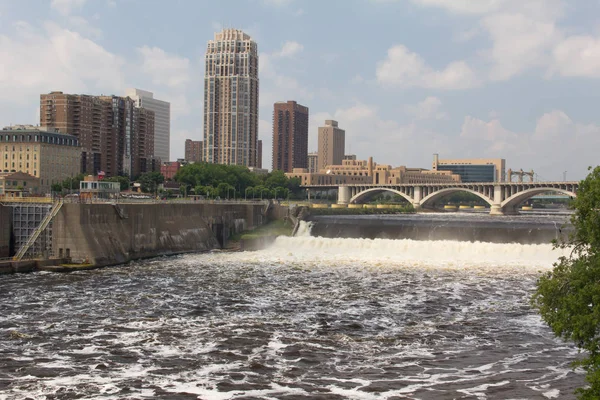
point(228, 189)
point(246, 193)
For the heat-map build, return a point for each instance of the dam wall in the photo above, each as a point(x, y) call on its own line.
point(5, 230)
point(109, 234)
point(429, 228)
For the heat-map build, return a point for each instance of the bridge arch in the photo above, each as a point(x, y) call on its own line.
point(365, 193)
point(520, 197)
point(431, 198)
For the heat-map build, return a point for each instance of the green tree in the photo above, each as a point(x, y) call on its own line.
point(57, 187)
point(568, 297)
point(123, 181)
point(150, 181)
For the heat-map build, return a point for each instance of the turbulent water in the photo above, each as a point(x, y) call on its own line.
point(307, 318)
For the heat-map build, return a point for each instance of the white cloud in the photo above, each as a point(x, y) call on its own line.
point(164, 68)
point(551, 125)
point(556, 143)
point(290, 49)
point(71, 63)
point(83, 27)
point(277, 86)
point(577, 56)
point(66, 7)
point(497, 137)
point(405, 68)
point(519, 43)
point(427, 109)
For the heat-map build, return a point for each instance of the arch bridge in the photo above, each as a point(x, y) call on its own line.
point(502, 197)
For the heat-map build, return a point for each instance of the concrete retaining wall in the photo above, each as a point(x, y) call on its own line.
point(104, 234)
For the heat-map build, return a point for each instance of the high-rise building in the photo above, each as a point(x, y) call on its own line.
point(193, 150)
point(44, 153)
point(231, 99)
point(162, 120)
point(115, 136)
point(332, 143)
point(259, 165)
point(290, 136)
point(313, 162)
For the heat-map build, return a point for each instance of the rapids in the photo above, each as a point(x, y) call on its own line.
point(309, 317)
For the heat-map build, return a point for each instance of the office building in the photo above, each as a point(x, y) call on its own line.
point(231, 99)
point(290, 136)
point(313, 162)
point(350, 157)
point(473, 170)
point(47, 155)
point(162, 120)
point(116, 137)
point(332, 142)
point(193, 150)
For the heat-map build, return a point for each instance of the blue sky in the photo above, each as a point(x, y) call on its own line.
point(517, 79)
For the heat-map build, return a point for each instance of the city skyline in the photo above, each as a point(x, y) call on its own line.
point(421, 77)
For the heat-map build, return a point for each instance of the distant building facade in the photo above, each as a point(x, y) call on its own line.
point(260, 155)
point(116, 137)
point(231, 100)
point(162, 120)
point(169, 169)
point(352, 172)
point(193, 150)
point(332, 143)
point(18, 184)
point(474, 169)
point(290, 136)
point(313, 162)
point(49, 156)
point(350, 157)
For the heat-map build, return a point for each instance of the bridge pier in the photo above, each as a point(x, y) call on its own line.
point(344, 195)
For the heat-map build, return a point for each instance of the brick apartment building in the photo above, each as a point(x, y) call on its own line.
point(115, 136)
point(290, 136)
point(193, 150)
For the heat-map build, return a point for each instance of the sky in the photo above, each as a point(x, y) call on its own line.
point(513, 79)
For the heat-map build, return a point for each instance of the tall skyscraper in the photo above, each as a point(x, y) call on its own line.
point(332, 142)
point(231, 99)
point(162, 120)
point(116, 136)
point(290, 136)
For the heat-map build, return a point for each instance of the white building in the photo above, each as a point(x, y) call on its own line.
point(162, 120)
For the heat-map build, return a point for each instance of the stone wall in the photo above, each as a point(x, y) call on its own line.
point(5, 230)
point(106, 234)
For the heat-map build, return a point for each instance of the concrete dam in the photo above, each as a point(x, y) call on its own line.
point(102, 234)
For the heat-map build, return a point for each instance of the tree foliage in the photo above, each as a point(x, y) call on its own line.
point(236, 181)
point(123, 181)
point(568, 297)
point(150, 181)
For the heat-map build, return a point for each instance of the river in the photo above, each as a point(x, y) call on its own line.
point(309, 317)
